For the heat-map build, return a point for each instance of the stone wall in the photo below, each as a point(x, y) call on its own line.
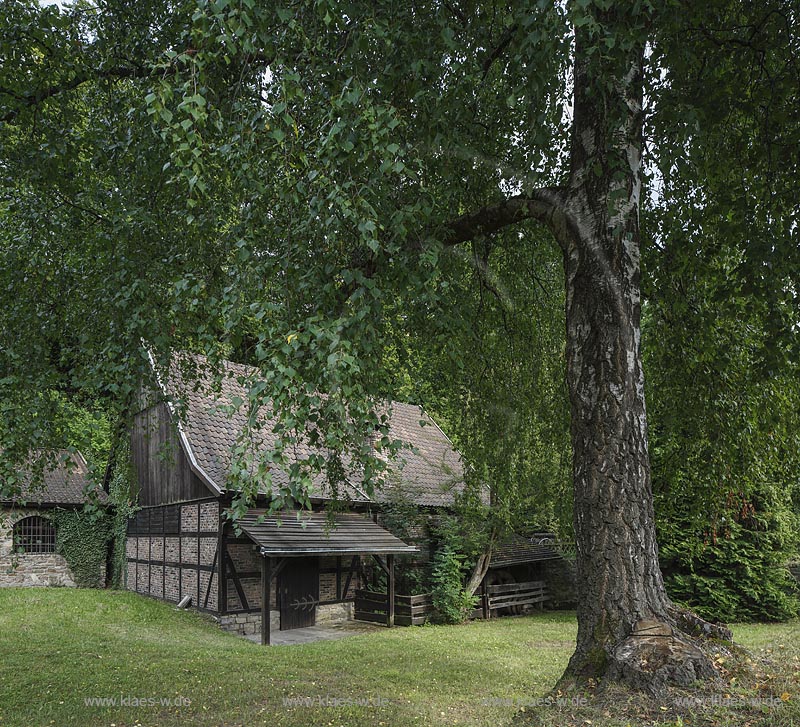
point(247, 624)
point(334, 613)
point(28, 569)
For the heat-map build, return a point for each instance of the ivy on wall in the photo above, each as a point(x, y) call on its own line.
point(122, 495)
point(82, 538)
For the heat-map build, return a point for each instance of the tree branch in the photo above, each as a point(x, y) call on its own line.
point(34, 98)
point(545, 205)
point(504, 42)
point(131, 70)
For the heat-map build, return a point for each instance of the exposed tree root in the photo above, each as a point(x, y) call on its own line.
point(656, 655)
point(686, 673)
point(677, 650)
point(690, 623)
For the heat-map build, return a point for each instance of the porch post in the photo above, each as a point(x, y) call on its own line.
point(266, 582)
point(390, 595)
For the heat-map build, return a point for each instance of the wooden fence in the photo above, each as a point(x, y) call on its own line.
point(408, 610)
point(417, 610)
point(511, 596)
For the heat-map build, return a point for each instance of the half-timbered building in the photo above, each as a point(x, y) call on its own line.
point(276, 571)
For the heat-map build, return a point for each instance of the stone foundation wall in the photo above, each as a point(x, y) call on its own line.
point(247, 624)
point(334, 613)
point(36, 569)
point(28, 569)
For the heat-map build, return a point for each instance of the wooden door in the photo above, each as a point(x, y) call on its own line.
point(298, 586)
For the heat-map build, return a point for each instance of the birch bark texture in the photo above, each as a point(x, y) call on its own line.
point(619, 579)
point(626, 627)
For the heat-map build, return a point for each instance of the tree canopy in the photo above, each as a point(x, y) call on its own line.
point(329, 188)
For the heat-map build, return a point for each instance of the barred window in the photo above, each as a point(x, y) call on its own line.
point(35, 534)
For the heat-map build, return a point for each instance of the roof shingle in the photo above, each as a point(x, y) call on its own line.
point(64, 484)
point(430, 473)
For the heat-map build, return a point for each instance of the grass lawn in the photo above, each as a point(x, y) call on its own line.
point(62, 647)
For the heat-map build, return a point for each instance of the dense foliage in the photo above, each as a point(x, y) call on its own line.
point(452, 603)
point(123, 501)
point(82, 537)
point(311, 188)
point(726, 433)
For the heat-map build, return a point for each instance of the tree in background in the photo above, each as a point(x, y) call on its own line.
point(726, 439)
point(171, 174)
point(722, 318)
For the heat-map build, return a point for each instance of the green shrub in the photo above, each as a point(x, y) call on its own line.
point(452, 603)
point(736, 572)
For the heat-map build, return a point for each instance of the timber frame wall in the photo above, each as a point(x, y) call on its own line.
point(172, 552)
point(179, 544)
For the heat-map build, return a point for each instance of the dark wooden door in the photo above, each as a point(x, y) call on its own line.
point(298, 585)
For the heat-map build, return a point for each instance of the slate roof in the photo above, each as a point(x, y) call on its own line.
point(351, 534)
point(431, 473)
point(64, 484)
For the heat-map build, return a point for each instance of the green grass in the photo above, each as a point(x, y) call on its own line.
point(59, 647)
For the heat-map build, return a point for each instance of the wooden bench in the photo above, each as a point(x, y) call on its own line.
point(509, 595)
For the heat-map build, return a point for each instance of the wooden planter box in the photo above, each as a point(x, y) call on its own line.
point(408, 610)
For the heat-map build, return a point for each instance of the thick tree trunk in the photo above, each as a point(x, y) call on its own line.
point(624, 619)
point(627, 627)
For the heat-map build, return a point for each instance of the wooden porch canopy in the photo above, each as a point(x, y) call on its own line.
point(283, 536)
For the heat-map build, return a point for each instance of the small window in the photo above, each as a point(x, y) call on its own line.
point(35, 535)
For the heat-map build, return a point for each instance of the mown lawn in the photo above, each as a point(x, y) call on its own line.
point(59, 648)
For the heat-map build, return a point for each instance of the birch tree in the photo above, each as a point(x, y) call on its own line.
point(191, 171)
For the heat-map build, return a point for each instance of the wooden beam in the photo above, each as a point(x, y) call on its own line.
point(199, 554)
point(266, 581)
point(390, 596)
point(222, 591)
point(211, 579)
point(382, 563)
point(149, 551)
point(163, 554)
point(355, 562)
point(180, 551)
point(236, 582)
